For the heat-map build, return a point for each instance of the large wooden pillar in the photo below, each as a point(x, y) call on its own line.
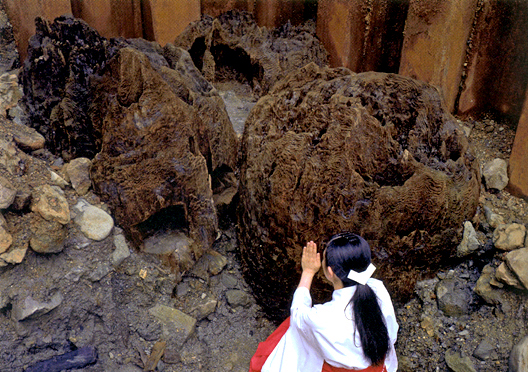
point(435, 43)
point(111, 18)
point(362, 35)
point(22, 14)
point(497, 72)
point(518, 165)
point(163, 20)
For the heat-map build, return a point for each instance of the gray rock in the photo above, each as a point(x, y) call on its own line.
point(57, 180)
point(121, 251)
point(506, 276)
point(14, 255)
point(236, 297)
point(519, 357)
point(47, 236)
point(7, 193)
point(459, 363)
point(95, 223)
point(517, 261)
point(6, 239)
point(229, 281)
point(204, 307)
point(28, 307)
point(216, 262)
point(50, 204)
point(453, 298)
point(100, 271)
point(483, 350)
point(78, 173)
point(469, 243)
point(493, 219)
point(495, 174)
point(24, 136)
point(175, 324)
point(492, 296)
point(10, 92)
point(509, 236)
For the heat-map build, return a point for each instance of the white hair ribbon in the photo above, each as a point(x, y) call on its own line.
point(363, 276)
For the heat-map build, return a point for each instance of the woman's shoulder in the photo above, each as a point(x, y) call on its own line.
point(379, 288)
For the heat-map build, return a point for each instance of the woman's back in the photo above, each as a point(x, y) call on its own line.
point(330, 328)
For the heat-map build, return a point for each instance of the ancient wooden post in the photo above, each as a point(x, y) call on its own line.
point(434, 45)
point(497, 71)
point(362, 35)
point(518, 169)
point(22, 14)
point(165, 19)
point(273, 13)
point(111, 18)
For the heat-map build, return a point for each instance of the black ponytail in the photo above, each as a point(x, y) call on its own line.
point(345, 252)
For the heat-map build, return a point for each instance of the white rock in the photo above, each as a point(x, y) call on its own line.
point(509, 236)
point(95, 223)
point(469, 242)
point(519, 357)
point(495, 174)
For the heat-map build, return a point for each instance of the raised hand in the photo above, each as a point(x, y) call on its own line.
point(311, 260)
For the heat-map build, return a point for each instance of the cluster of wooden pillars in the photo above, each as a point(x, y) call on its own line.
point(475, 51)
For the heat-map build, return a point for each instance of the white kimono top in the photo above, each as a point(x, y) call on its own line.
point(327, 332)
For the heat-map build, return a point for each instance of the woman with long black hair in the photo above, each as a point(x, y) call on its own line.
point(356, 330)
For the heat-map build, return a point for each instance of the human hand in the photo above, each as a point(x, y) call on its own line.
point(311, 260)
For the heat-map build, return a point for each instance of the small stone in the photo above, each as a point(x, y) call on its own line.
point(216, 262)
point(236, 297)
point(78, 172)
point(121, 251)
point(58, 180)
point(5, 240)
point(483, 350)
point(510, 236)
point(27, 137)
point(7, 193)
point(10, 91)
point(429, 326)
point(483, 288)
point(517, 261)
point(176, 324)
point(459, 363)
point(15, 255)
point(519, 356)
point(142, 273)
point(30, 308)
point(95, 223)
point(493, 219)
point(101, 270)
point(453, 299)
point(50, 204)
point(47, 236)
point(229, 280)
point(495, 174)
point(204, 307)
point(469, 243)
point(506, 276)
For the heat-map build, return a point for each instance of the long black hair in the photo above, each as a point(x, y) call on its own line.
point(345, 252)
